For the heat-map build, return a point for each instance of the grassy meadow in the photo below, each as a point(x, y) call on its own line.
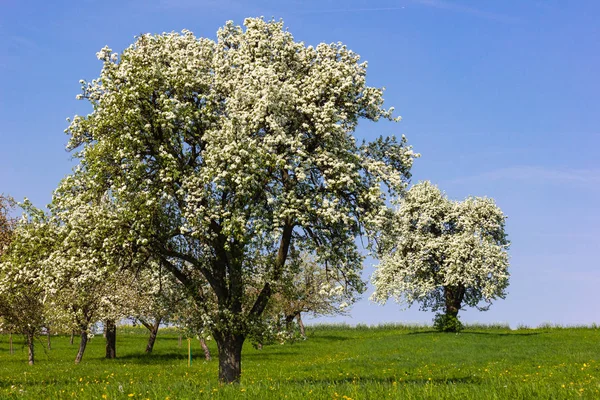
point(335, 362)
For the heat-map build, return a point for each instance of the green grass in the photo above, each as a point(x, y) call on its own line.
point(335, 362)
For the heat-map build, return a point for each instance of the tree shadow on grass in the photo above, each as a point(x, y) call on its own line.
point(478, 333)
point(329, 338)
point(266, 355)
point(149, 358)
point(502, 333)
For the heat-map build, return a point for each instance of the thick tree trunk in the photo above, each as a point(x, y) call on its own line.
point(111, 338)
point(10, 344)
point(454, 297)
point(153, 333)
point(230, 357)
point(206, 349)
point(30, 347)
point(72, 337)
point(82, 345)
point(301, 325)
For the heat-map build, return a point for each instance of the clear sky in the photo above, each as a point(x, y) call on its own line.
point(501, 98)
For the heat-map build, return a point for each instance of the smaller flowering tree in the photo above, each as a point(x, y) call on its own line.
point(23, 305)
point(153, 297)
point(85, 270)
point(443, 254)
point(312, 288)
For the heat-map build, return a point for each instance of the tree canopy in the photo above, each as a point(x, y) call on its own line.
point(443, 254)
point(218, 156)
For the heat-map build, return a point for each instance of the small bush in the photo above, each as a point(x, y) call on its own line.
point(447, 323)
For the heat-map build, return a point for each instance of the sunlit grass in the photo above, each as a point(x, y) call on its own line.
point(391, 361)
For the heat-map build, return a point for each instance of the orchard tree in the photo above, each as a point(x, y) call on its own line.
point(152, 296)
point(7, 223)
point(219, 155)
point(443, 254)
point(310, 288)
point(87, 274)
point(23, 294)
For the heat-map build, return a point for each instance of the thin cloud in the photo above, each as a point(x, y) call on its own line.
point(17, 47)
point(351, 10)
point(446, 5)
point(537, 174)
point(23, 42)
point(194, 4)
point(437, 4)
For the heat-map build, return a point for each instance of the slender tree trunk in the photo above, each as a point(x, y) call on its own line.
point(72, 337)
point(289, 319)
point(30, 347)
point(206, 349)
point(10, 344)
point(111, 338)
point(230, 357)
point(48, 343)
point(153, 332)
point(82, 345)
point(301, 325)
point(179, 342)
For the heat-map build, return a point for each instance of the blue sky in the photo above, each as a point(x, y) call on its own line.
point(501, 98)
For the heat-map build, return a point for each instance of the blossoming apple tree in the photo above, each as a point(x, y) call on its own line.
point(23, 295)
point(220, 154)
point(443, 254)
point(313, 289)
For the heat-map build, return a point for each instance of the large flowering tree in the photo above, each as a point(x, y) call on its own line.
point(218, 155)
point(443, 254)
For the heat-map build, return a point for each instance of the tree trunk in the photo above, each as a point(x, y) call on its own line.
point(454, 297)
point(301, 325)
point(153, 332)
point(49, 345)
point(289, 319)
point(179, 342)
point(230, 357)
point(72, 337)
point(10, 344)
point(82, 345)
point(111, 338)
point(30, 347)
point(206, 349)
